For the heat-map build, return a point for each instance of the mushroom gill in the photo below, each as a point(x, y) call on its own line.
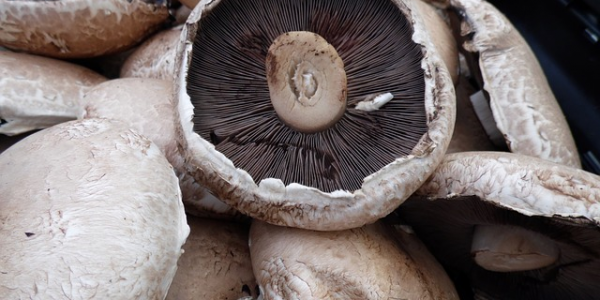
point(228, 86)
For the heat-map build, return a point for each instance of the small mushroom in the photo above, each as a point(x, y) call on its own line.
point(78, 28)
point(515, 89)
point(511, 226)
point(155, 58)
point(215, 263)
point(89, 209)
point(350, 167)
point(38, 92)
point(361, 263)
point(145, 105)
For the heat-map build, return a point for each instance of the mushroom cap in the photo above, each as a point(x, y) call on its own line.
point(522, 103)
point(78, 28)
point(360, 263)
point(215, 263)
point(297, 205)
point(155, 58)
point(38, 92)
point(145, 105)
point(472, 189)
point(89, 209)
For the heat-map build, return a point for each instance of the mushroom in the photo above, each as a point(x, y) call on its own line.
point(89, 209)
point(38, 92)
point(283, 169)
point(515, 88)
point(215, 263)
point(360, 263)
point(155, 58)
point(145, 105)
point(511, 226)
point(78, 28)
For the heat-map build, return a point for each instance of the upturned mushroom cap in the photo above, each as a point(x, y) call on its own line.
point(38, 92)
point(89, 209)
point(145, 105)
point(155, 58)
point(78, 28)
point(522, 103)
point(338, 178)
point(511, 226)
point(215, 263)
point(362, 263)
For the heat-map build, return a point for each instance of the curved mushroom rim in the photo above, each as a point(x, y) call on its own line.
point(296, 205)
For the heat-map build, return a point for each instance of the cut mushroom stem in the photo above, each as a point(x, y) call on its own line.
point(307, 81)
point(503, 248)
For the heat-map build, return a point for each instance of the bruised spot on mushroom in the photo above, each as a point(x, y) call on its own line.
point(229, 88)
point(29, 234)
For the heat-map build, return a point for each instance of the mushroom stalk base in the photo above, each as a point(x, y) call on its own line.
point(504, 248)
point(307, 81)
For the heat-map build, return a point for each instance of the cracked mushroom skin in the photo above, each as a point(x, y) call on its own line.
point(215, 263)
point(394, 128)
point(38, 92)
point(524, 108)
point(89, 209)
point(511, 226)
point(146, 106)
point(78, 28)
point(361, 263)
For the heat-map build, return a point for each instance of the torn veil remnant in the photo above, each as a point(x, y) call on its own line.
point(343, 169)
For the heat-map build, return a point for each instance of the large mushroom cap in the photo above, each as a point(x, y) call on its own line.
point(78, 28)
point(524, 108)
point(512, 226)
point(89, 209)
point(361, 263)
point(38, 92)
point(215, 263)
point(395, 126)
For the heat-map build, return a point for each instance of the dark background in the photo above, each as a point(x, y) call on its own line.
point(565, 36)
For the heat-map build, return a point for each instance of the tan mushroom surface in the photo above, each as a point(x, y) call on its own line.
point(78, 28)
point(89, 209)
point(216, 263)
point(361, 263)
point(342, 177)
point(145, 105)
point(523, 105)
point(511, 226)
point(155, 58)
point(38, 92)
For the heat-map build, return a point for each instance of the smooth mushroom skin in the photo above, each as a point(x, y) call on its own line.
point(522, 103)
point(155, 58)
point(297, 205)
point(38, 92)
point(145, 105)
point(361, 263)
point(78, 28)
point(472, 189)
point(89, 209)
point(215, 263)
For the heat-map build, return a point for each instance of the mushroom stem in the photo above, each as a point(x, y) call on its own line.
point(505, 248)
point(307, 81)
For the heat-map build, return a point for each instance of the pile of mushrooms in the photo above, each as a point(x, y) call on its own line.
point(281, 149)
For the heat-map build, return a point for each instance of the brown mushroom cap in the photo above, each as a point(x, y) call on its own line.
point(155, 58)
point(89, 209)
point(38, 92)
point(145, 105)
point(542, 213)
point(522, 103)
point(215, 263)
point(361, 263)
point(342, 177)
point(77, 28)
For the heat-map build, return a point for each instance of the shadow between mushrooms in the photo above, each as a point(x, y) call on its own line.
point(312, 114)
